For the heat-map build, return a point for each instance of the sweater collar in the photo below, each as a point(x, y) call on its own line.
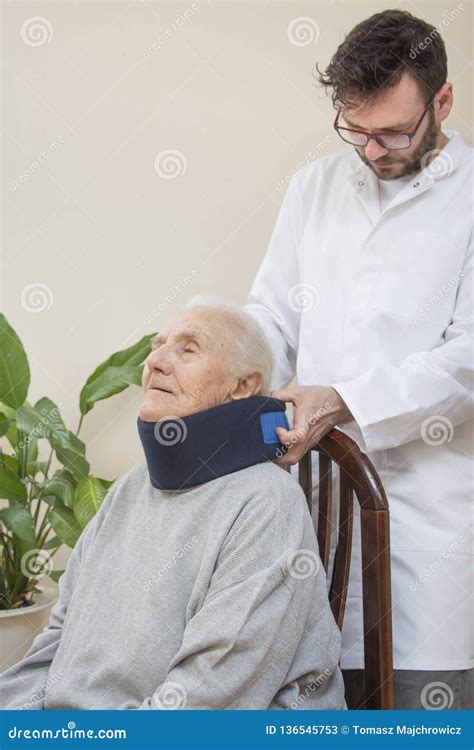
point(187, 451)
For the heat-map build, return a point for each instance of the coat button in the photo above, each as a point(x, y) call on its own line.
point(361, 182)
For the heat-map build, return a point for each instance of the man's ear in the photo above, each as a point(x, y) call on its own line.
point(250, 385)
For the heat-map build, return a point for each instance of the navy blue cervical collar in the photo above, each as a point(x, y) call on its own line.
point(187, 451)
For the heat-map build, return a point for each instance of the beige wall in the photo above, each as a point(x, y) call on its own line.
point(111, 87)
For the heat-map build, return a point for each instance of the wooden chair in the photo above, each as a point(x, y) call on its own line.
point(357, 475)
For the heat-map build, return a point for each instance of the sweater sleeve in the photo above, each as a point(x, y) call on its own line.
point(239, 645)
point(23, 685)
point(274, 295)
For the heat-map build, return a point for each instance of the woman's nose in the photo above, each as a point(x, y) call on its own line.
point(160, 359)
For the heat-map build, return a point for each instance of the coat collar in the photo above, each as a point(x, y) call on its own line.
point(365, 183)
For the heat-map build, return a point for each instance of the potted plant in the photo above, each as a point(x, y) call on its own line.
point(41, 510)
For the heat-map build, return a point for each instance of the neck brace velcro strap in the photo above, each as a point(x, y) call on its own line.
point(187, 451)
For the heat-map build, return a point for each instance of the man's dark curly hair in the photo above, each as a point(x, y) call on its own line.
point(378, 51)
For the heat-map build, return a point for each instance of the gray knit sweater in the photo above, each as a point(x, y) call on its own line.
point(211, 597)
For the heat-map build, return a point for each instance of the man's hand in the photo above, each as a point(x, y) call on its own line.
point(317, 410)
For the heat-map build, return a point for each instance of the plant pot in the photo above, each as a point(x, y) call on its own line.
point(19, 627)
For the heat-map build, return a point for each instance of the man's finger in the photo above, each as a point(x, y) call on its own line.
point(284, 394)
point(289, 437)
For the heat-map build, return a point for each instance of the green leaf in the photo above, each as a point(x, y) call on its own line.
point(55, 575)
point(34, 467)
point(4, 424)
point(45, 420)
point(88, 498)
point(106, 482)
point(11, 488)
point(65, 526)
point(115, 374)
point(14, 368)
point(11, 434)
point(53, 422)
point(72, 458)
point(18, 519)
point(62, 484)
point(11, 463)
point(112, 381)
point(52, 543)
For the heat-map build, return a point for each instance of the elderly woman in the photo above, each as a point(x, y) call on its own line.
point(198, 584)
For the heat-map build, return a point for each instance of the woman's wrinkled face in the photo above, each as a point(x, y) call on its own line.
point(190, 366)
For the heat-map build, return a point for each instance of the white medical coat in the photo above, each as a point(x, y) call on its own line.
point(379, 306)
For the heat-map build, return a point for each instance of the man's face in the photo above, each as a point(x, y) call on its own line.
point(399, 109)
point(189, 368)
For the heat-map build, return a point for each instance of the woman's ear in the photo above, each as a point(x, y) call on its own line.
point(250, 385)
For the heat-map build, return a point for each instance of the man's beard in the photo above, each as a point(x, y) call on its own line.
point(414, 163)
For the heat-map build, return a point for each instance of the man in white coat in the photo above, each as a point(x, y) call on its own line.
point(365, 294)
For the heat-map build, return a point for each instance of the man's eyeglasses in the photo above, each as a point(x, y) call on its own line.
point(394, 140)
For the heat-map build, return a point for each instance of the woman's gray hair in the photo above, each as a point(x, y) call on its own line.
point(251, 347)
